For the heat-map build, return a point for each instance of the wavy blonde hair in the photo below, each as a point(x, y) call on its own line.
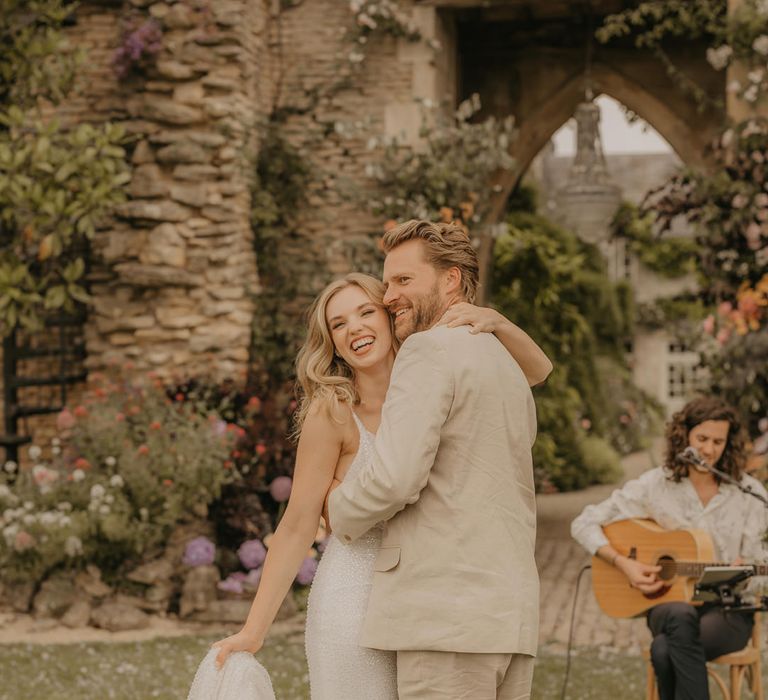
point(322, 376)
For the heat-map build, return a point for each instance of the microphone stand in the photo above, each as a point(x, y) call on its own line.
point(729, 599)
point(724, 476)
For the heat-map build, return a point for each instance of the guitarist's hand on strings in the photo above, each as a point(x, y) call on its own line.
point(641, 576)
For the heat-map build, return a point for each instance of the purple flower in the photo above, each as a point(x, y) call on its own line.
point(253, 577)
point(252, 554)
point(307, 571)
point(230, 585)
point(280, 488)
point(199, 552)
point(322, 544)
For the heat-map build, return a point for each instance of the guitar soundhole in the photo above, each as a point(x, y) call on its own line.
point(667, 573)
point(668, 568)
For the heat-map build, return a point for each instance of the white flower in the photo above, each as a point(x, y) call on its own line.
point(34, 452)
point(65, 506)
point(28, 505)
point(56, 451)
point(29, 519)
point(733, 86)
point(751, 93)
point(104, 510)
point(48, 517)
point(9, 533)
point(109, 498)
point(144, 514)
point(66, 521)
point(761, 45)
point(97, 492)
point(10, 466)
point(5, 492)
point(55, 442)
point(356, 57)
point(718, 58)
point(110, 461)
point(78, 475)
point(73, 546)
point(116, 481)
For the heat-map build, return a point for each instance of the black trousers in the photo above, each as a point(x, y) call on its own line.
point(685, 637)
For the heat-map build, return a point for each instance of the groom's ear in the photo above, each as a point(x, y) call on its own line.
point(452, 280)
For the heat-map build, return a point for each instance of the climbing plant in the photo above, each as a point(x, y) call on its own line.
point(56, 184)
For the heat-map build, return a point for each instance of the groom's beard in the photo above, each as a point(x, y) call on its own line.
point(425, 312)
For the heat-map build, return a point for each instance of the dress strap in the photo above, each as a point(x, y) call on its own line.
point(361, 427)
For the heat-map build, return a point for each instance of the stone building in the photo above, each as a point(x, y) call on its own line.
point(175, 279)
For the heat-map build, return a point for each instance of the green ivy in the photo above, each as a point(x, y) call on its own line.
point(55, 184)
point(557, 288)
point(451, 168)
point(668, 256)
point(279, 188)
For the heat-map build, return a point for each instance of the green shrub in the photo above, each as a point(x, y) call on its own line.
point(130, 465)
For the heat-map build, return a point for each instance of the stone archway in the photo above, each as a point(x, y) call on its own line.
point(689, 141)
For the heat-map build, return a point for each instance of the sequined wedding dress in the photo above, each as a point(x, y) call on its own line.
point(242, 678)
point(340, 669)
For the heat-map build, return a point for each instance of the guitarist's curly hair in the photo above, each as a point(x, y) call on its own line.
point(702, 409)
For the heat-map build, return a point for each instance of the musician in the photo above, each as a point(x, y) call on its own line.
point(679, 496)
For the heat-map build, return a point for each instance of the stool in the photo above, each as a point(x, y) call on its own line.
point(740, 663)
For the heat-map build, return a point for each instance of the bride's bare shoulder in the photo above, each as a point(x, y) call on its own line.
point(328, 420)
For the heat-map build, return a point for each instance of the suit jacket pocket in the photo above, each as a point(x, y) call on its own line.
point(387, 558)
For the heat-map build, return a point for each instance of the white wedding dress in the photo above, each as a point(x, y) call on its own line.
point(339, 668)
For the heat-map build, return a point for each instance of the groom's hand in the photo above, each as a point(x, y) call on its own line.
point(334, 484)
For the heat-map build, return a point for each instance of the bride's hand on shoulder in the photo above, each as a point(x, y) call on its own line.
point(481, 319)
point(237, 642)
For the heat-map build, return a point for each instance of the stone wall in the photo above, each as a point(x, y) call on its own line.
point(174, 272)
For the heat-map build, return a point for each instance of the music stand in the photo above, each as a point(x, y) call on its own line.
point(722, 584)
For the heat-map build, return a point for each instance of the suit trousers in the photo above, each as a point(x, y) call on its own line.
point(685, 637)
point(447, 675)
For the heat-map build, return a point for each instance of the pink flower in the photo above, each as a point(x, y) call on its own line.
point(280, 488)
point(261, 449)
point(81, 411)
point(143, 450)
point(82, 463)
point(586, 423)
point(65, 420)
point(709, 325)
point(724, 308)
point(723, 335)
point(23, 541)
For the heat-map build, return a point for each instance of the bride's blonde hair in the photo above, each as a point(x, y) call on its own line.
point(322, 376)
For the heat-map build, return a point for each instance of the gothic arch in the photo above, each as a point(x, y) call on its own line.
point(553, 109)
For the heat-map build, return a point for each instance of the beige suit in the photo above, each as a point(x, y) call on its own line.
point(453, 477)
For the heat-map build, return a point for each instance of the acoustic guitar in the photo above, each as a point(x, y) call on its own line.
point(682, 555)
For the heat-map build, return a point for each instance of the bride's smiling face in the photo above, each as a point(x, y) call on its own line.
point(360, 329)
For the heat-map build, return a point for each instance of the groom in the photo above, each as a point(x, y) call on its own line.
point(455, 589)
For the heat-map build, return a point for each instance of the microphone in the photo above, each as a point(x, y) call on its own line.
point(691, 456)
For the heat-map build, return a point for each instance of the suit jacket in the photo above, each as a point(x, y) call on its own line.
point(452, 476)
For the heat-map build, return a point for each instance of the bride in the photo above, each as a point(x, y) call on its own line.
point(343, 370)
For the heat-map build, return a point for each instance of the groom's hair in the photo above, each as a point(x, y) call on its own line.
point(445, 246)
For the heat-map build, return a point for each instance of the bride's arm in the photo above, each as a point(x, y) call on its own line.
point(535, 364)
point(316, 459)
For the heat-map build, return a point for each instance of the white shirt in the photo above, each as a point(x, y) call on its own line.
point(736, 521)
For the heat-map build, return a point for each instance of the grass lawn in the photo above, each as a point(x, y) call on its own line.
point(164, 668)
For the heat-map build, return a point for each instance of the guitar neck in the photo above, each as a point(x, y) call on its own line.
point(696, 568)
